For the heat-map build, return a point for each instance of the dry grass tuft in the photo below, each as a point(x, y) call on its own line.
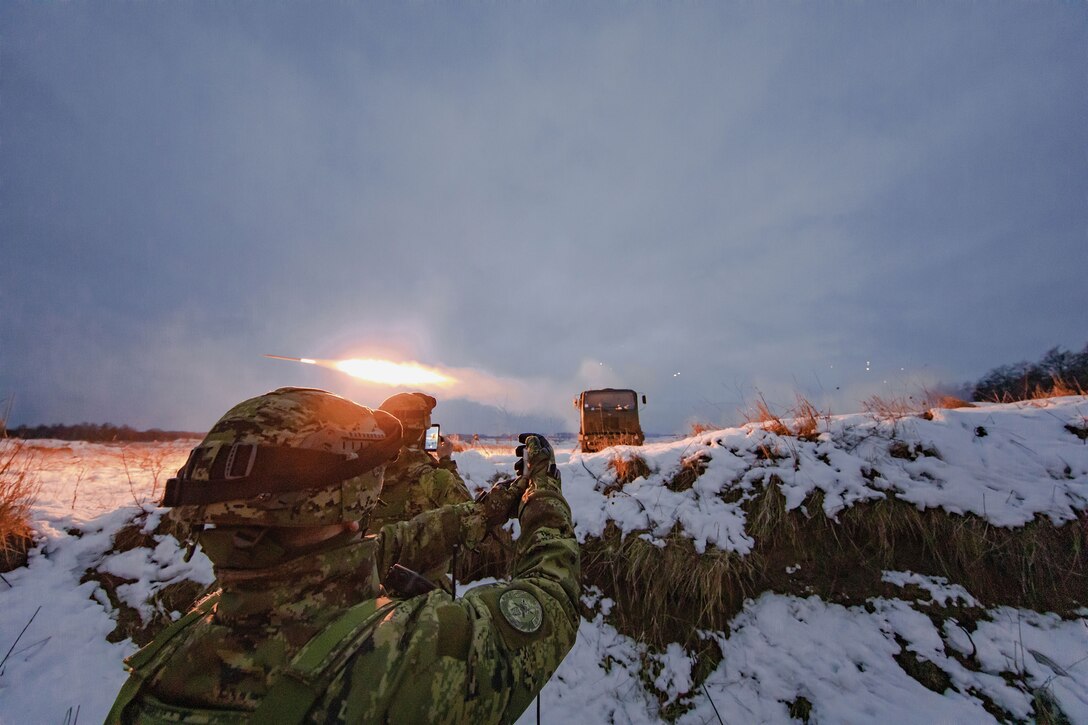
point(629, 469)
point(698, 428)
point(667, 593)
point(932, 399)
point(800, 709)
point(149, 462)
point(950, 402)
point(804, 416)
point(690, 469)
point(806, 419)
point(459, 445)
point(1061, 388)
point(890, 410)
point(19, 487)
point(762, 415)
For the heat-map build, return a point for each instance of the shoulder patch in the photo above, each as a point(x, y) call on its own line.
point(521, 610)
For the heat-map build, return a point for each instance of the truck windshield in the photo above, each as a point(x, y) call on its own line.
point(610, 400)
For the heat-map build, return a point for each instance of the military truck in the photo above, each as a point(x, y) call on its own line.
point(608, 417)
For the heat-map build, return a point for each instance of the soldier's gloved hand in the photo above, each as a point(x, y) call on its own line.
point(500, 503)
point(543, 504)
point(536, 462)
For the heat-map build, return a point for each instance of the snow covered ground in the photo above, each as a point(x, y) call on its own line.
point(784, 657)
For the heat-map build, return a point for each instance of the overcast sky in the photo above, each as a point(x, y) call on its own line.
point(696, 200)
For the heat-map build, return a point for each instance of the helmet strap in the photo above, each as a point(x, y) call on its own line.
point(274, 469)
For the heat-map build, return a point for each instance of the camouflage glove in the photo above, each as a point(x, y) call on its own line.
point(542, 504)
point(536, 463)
point(535, 457)
point(500, 503)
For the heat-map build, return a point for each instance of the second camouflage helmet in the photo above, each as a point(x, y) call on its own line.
point(413, 410)
point(292, 457)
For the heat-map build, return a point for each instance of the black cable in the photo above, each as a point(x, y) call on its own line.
point(25, 627)
point(713, 705)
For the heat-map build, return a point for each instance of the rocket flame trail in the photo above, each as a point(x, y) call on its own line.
point(382, 372)
point(504, 393)
point(386, 372)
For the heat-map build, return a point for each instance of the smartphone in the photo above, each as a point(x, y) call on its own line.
point(431, 438)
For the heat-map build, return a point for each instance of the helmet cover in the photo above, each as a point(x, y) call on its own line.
point(296, 419)
point(413, 410)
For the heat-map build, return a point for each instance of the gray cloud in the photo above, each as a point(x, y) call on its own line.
point(755, 197)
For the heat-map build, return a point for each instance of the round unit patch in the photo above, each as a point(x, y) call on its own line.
point(521, 610)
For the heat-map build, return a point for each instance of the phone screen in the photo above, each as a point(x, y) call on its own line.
point(430, 440)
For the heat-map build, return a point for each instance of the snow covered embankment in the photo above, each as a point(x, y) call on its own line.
point(797, 551)
point(1004, 463)
point(915, 648)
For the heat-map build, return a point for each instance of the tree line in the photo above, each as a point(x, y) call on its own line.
point(1057, 372)
point(98, 432)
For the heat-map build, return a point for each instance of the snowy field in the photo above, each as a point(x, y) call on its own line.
point(784, 658)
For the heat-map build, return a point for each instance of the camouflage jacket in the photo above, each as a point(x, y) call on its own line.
point(480, 658)
point(415, 483)
point(412, 484)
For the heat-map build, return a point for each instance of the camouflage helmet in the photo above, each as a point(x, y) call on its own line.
point(413, 410)
point(292, 457)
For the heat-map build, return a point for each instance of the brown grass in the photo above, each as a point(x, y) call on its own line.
point(19, 487)
point(628, 469)
point(698, 428)
point(149, 462)
point(762, 415)
point(806, 419)
point(950, 402)
point(494, 449)
point(690, 469)
point(890, 410)
point(1059, 387)
point(894, 409)
point(804, 416)
point(933, 399)
point(1062, 388)
point(665, 594)
point(458, 443)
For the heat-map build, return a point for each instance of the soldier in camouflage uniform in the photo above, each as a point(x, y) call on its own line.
point(300, 631)
point(416, 482)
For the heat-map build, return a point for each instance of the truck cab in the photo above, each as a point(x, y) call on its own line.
point(608, 417)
